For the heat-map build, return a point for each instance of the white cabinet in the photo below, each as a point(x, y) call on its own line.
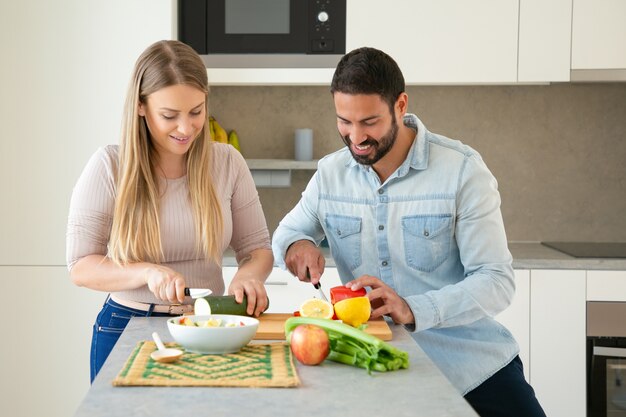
point(516, 317)
point(285, 292)
point(451, 41)
point(44, 312)
point(557, 341)
point(544, 40)
point(606, 285)
point(80, 75)
point(599, 34)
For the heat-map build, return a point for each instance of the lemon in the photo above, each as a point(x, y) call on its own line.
point(316, 308)
point(353, 311)
point(201, 307)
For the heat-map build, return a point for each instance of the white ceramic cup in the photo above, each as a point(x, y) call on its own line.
point(303, 144)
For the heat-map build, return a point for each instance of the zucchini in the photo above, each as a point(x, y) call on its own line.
point(226, 304)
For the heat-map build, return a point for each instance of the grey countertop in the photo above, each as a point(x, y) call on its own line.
point(526, 255)
point(330, 389)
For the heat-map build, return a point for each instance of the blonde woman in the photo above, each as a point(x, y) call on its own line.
point(155, 214)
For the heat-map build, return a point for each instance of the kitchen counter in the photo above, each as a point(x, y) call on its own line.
point(526, 255)
point(330, 389)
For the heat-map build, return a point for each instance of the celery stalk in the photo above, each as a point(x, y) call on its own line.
point(352, 346)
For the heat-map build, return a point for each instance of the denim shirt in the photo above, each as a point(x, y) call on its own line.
point(433, 232)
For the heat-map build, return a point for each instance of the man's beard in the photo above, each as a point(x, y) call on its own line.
point(381, 146)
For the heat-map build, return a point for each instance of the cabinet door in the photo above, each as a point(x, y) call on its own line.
point(599, 34)
point(558, 341)
point(446, 41)
point(44, 311)
point(516, 317)
point(545, 34)
point(606, 285)
point(78, 79)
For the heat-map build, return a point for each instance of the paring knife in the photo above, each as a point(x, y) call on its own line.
point(197, 292)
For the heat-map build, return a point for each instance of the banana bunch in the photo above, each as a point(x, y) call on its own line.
point(218, 133)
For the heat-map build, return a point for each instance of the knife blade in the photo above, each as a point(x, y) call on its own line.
point(197, 292)
point(317, 286)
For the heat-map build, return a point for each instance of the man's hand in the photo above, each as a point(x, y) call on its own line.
point(305, 261)
point(384, 300)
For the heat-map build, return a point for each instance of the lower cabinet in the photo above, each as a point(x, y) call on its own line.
point(558, 341)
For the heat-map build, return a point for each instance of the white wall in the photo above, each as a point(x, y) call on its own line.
point(64, 69)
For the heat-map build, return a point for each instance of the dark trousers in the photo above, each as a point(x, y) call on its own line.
point(506, 394)
point(109, 325)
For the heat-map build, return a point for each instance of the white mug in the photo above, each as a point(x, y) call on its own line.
point(303, 144)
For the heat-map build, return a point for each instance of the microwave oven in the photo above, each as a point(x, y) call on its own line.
point(264, 33)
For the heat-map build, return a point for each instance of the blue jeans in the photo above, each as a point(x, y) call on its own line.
point(110, 323)
point(506, 394)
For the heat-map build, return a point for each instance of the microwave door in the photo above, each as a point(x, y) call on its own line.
point(257, 27)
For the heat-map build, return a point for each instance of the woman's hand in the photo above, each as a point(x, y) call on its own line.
point(384, 300)
point(165, 283)
point(249, 279)
point(254, 291)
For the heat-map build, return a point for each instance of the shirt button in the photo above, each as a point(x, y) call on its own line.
point(381, 191)
point(339, 232)
point(384, 263)
point(426, 233)
point(381, 227)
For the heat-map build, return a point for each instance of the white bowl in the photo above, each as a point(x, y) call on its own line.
point(215, 340)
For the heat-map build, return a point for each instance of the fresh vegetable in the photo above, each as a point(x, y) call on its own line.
point(354, 311)
point(316, 307)
point(223, 304)
point(201, 307)
point(310, 344)
point(352, 346)
point(341, 293)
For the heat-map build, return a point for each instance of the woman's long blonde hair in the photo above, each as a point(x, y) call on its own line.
point(135, 232)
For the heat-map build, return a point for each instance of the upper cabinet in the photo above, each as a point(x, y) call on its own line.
point(545, 29)
point(599, 40)
point(450, 41)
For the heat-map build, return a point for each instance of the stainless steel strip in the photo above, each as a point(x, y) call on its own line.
point(609, 351)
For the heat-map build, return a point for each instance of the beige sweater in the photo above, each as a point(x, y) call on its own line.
point(245, 229)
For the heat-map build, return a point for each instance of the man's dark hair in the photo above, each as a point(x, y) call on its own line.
point(368, 71)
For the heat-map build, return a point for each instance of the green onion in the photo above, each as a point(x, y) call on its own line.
point(351, 346)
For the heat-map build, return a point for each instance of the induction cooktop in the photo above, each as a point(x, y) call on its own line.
point(590, 249)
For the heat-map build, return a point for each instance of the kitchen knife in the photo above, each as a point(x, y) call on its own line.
point(197, 292)
point(317, 286)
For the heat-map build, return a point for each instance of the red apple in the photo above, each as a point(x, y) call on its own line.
point(309, 344)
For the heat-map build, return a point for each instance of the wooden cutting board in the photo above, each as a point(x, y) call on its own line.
point(272, 327)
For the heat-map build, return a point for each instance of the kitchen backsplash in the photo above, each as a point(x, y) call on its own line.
point(558, 151)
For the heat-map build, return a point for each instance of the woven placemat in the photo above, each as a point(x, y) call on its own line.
point(255, 365)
